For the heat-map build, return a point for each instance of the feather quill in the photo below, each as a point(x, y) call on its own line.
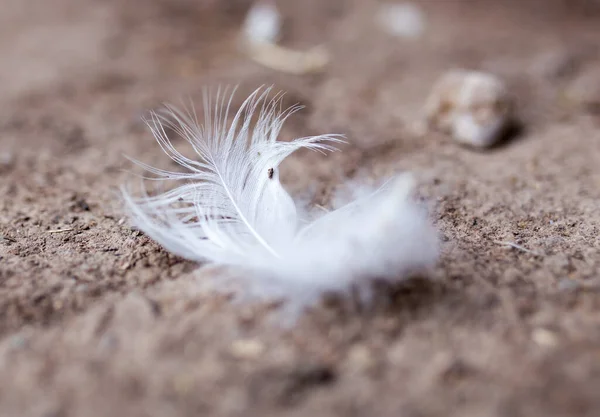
point(232, 209)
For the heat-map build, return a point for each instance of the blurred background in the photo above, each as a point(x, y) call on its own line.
point(381, 58)
point(96, 319)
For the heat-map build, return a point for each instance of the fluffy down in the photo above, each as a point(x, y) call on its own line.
point(232, 210)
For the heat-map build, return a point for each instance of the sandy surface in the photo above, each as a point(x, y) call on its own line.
point(97, 320)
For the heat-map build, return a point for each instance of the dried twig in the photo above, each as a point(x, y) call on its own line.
point(518, 247)
point(260, 33)
point(68, 229)
point(288, 60)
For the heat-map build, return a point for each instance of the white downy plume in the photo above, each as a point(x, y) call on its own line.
point(232, 210)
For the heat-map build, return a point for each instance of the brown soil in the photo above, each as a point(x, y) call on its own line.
point(98, 320)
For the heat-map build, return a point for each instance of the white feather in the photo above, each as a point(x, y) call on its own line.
point(233, 210)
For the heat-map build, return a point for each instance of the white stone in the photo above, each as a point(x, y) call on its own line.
point(475, 108)
point(404, 20)
point(263, 23)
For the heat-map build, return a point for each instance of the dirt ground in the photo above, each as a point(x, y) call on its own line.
point(98, 320)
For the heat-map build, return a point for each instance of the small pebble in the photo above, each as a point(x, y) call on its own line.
point(404, 20)
point(475, 108)
point(247, 349)
point(360, 358)
point(544, 337)
point(263, 23)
